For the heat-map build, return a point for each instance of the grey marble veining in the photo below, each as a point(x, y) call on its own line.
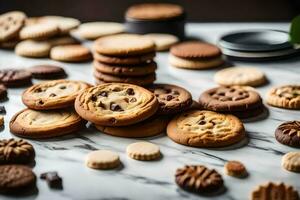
point(260, 152)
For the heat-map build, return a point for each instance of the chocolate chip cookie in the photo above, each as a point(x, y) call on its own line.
point(47, 71)
point(15, 77)
point(205, 129)
point(172, 99)
point(116, 104)
point(286, 96)
point(45, 124)
point(16, 151)
point(288, 133)
point(53, 94)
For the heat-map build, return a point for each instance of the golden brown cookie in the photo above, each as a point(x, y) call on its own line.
point(53, 94)
point(102, 159)
point(286, 96)
point(45, 124)
point(64, 24)
point(39, 31)
point(10, 25)
point(205, 129)
point(291, 161)
point(235, 168)
point(31, 48)
point(162, 41)
point(143, 151)
point(70, 53)
point(116, 104)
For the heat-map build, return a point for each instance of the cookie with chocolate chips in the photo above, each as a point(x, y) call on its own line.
point(288, 133)
point(116, 104)
point(172, 99)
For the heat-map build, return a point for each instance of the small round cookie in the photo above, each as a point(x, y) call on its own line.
point(230, 98)
point(288, 133)
point(143, 151)
point(39, 31)
point(70, 53)
point(16, 151)
point(128, 60)
point(94, 30)
point(162, 41)
point(123, 45)
point(235, 168)
point(64, 24)
point(15, 77)
point(3, 92)
point(10, 25)
point(136, 80)
point(199, 179)
point(248, 76)
point(172, 99)
point(153, 126)
point(129, 70)
point(53, 94)
point(291, 161)
point(65, 40)
point(205, 129)
point(15, 179)
point(47, 71)
point(45, 124)
point(274, 191)
point(34, 49)
point(154, 11)
point(102, 159)
point(286, 96)
point(195, 64)
point(116, 104)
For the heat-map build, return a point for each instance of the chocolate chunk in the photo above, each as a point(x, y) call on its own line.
point(169, 97)
point(2, 110)
point(53, 179)
point(201, 122)
point(52, 95)
point(62, 87)
point(115, 107)
point(130, 91)
point(93, 98)
point(133, 99)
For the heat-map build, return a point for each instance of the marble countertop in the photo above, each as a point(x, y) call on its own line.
point(261, 153)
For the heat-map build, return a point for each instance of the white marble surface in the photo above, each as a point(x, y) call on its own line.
point(261, 153)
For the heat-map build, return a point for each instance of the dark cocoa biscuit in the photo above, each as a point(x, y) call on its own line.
point(10, 24)
point(128, 60)
point(195, 50)
point(130, 70)
point(230, 98)
point(249, 113)
point(53, 179)
point(172, 99)
point(199, 179)
point(274, 191)
point(3, 92)
point(288, 133)
point(15, 179)
point(47, 72)
point(15, 77)
point(16, 151)
point(136, 80)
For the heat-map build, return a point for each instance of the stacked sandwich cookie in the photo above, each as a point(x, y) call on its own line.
point(124, 58)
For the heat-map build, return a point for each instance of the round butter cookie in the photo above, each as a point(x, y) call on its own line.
point(34, 49)
point(70, 53)
point(64, 24)
point(143, 151)
point(102, 159)
point(286, 96)
point(39, 31)
point(10, 25)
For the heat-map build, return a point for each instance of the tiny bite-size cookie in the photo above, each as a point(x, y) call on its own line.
point(70, 53)
point(286, 96)
point(288, 133)
point(235, 168)
point(53, 94)
point(143, 151)
point(116, 104)
point(102, 159)
point(205, 129)
point(291, 161)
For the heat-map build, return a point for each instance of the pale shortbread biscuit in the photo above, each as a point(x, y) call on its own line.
point(102, 159)
point(31, 48)
point(248, 76)
point(143, 151)
point(39, 31)
point(195, 64)
point(70, 53)
point(291, 161)
point(64, 24)
point(162, 41)
point(286, 96)
point(10, 25)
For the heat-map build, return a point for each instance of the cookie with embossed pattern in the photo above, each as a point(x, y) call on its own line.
point(15, 77)
point(288, 133)
point(205, 129)
point(286, 96)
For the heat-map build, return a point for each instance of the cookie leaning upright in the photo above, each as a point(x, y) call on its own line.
point(10, 25)
point(116, 104)
point(286, 96)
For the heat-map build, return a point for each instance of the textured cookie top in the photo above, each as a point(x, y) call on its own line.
point(115, 103)
point(124, 44)
point(287, 96)
point(291, 161)
point(230, 98)
point(154, 11)
point(53, 94)
point(289, 133)
point(195, 50)
point(10, 24)
point(39, 31)
point(64, 24)
point(9, 76)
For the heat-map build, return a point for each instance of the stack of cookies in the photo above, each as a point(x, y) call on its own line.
point(124, 58)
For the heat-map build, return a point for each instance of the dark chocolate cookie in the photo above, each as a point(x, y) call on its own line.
point(16, 151)
point(3, 92)
point(230, 98)
point(16, 179)
point(199, 179)
point(15, 77)
point(172, 99)
point(288, 133)
point(47, 72)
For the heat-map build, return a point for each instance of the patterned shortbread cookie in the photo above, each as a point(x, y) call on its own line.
point(53, 94)
point(31, 48)
point(162, 41)
point(70, 53)
point(286, 96)
point(291, 161)
point(143, 151)
point(10, 25)
point(116, 104)
point(248, 76)
point(39, 31)
point(205, 129)
point(102, 159)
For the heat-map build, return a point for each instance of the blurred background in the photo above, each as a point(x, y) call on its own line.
point(198, 10)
